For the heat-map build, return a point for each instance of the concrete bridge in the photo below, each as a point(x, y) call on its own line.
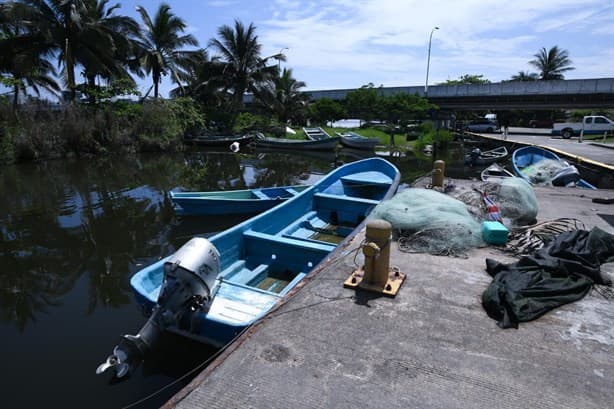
point(561, 94)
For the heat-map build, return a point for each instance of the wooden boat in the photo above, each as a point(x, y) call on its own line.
point(478, 157)
point(232, 201)
point(316, 134)
point(218, 140)
point(265, 257)
point(356, 141)
point(328, 144)
point(524, 158)
point(496, 172)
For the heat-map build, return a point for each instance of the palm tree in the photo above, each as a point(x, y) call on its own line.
point(119, 33)
point(24, 59)
point(552, 63)
point(282, 96)
point(65, 26)
point(161, 46)
point(244, 68)
point(525, 76)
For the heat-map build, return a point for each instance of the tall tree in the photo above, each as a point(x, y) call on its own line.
point(364, 103)
point(525, 76)
point(119, 33)
point(162, 46)
point(282, 96)
point(245, 68)
point(66, 28)
point(468, 79)
point(552, 63)
point(23, 60)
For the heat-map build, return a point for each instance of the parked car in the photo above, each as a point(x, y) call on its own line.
point(541, 123)
point(482, 125)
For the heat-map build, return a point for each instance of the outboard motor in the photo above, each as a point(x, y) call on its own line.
point(567, 176)
point(190, 283)
point(474, 155)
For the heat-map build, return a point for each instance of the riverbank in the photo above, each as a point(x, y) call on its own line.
point(432, 346)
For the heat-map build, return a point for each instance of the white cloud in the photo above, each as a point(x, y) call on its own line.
point(340, 41)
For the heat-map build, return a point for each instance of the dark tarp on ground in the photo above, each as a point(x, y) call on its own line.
point(562, 272)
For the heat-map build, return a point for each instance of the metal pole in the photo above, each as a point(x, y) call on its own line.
point(279, 59)
point(428, 63)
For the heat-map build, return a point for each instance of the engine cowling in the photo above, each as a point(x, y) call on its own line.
point(189, 285)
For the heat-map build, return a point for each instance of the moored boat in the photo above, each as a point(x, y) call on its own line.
point(495, 172)
point(479, 157)
point(218, 140)
point(537, 165)
point(316, 134)
point(211, 290)
point(356, 141)
point(232, 201)
point(327, 144)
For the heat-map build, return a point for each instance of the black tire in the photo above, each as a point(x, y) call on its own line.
point(467, 129)
point(488, 130)
point(566, 133)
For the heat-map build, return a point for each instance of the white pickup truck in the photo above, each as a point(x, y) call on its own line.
point(593, 124)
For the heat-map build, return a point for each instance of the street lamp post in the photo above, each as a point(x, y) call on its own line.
point(428, 63)
point(279, 59)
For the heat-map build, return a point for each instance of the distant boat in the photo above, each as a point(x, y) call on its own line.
point(496, 172)
point(356, 141)
point(568, 175)
point(328, 144)
point(211, 290)
point(218, 140)
point(479, 157)
point(316, 134)
point(232, 201)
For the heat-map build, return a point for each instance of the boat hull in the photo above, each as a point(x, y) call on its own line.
point(219, 141)
point(355, 141)
point(296, 144)
point(232, 202)
point(264, 258)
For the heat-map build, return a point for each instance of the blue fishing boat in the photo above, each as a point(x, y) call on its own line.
point(356, 141)
point(526, 160)
point(232, 201)
point(211, 290)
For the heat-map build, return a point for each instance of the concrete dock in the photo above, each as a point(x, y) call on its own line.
point(432, 346)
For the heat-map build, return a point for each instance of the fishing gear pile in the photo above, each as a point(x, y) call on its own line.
point(431, 222)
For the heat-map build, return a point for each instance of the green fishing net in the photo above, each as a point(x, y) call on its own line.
point(542, 172)
point(431, 221)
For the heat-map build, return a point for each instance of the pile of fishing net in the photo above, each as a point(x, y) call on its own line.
point(514, 198)
point(428, 221)
point(542, 172)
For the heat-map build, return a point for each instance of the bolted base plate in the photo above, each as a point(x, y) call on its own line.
point(390, 289)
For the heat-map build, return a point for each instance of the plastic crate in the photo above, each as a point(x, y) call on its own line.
point(494, 232)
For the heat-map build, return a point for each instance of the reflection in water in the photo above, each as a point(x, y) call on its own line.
point(74, 232)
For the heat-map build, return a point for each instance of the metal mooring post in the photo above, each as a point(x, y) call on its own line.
point(376, 275)
point(438, 174)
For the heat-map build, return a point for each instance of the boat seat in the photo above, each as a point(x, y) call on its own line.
point(260, 195)
point(245, 275)
point(335, 201)
point(267, 245)
point(232, 269)
point(367, 178)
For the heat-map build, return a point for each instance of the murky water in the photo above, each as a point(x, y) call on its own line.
point(73, 232)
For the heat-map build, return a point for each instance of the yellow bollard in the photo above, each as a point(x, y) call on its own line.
point(438, 175)
point(376, 275)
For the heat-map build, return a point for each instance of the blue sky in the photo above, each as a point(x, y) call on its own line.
point(349, 43)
